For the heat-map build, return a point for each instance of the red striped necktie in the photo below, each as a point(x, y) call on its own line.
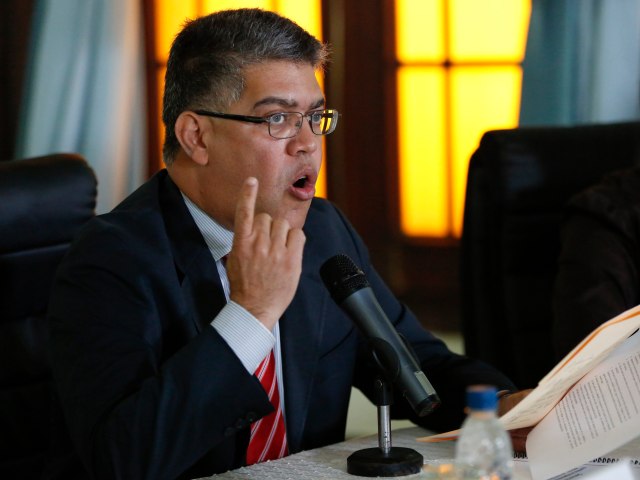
point(268, 436)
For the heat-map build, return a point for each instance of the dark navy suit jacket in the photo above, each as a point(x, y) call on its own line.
point(150, 390)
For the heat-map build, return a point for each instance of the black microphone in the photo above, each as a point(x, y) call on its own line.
point(351, 290)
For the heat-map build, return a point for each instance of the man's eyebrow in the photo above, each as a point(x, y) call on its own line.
point(285, 103)
point(275, 101)
point(318, 104)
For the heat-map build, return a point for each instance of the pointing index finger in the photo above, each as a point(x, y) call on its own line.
point(245, 208)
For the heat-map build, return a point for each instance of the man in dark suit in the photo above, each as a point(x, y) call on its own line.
point(164, 308)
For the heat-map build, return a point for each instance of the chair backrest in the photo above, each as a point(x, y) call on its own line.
point(518, 184)
point(43, 202)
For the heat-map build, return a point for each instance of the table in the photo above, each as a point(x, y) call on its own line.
point(330, 462)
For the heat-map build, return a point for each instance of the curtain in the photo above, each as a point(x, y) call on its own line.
point(85, 90)
point(582, 62)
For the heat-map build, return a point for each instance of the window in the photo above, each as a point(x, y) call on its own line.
point(458, 75)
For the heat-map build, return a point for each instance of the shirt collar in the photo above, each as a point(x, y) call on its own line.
point(218, 239)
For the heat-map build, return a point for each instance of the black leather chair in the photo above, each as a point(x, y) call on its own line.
point(43, 202)
point(518, 183)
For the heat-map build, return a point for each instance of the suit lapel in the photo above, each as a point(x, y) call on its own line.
point(200, 282)
point(300, 334)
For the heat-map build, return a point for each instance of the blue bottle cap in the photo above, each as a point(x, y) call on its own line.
point(482, 397)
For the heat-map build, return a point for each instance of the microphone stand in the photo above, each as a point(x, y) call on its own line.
point(385, 460)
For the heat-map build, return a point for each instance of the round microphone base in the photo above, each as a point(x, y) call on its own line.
point(373, 462)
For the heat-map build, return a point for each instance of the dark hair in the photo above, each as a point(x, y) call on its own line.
point(207, 58)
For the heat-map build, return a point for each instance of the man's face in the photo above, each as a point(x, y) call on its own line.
point(286, 169)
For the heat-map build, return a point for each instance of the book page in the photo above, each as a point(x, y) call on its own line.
point(584, 357)
point(599, 414)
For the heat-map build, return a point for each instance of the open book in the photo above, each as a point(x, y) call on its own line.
point(587, 405)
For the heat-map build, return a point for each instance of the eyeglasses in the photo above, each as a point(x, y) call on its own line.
point(286, 124)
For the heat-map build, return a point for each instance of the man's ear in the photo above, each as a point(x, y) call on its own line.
point(189, 130)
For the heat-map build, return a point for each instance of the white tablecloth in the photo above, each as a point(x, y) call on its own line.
point(330, 462)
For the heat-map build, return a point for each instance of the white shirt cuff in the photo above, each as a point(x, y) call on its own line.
point(250, 340)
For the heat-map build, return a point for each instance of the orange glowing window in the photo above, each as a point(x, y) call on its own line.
point(170, 15)
point(458, 75)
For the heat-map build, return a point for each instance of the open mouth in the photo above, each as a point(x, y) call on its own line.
point(304, 188)
point(301, 182)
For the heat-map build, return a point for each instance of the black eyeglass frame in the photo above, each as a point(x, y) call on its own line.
point(267, 119)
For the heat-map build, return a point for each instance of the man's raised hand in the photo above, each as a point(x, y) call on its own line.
point(265, 262)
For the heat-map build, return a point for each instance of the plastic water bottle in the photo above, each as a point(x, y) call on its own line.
point(483, 449)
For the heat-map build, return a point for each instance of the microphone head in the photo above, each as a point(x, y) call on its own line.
point(342, 277)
